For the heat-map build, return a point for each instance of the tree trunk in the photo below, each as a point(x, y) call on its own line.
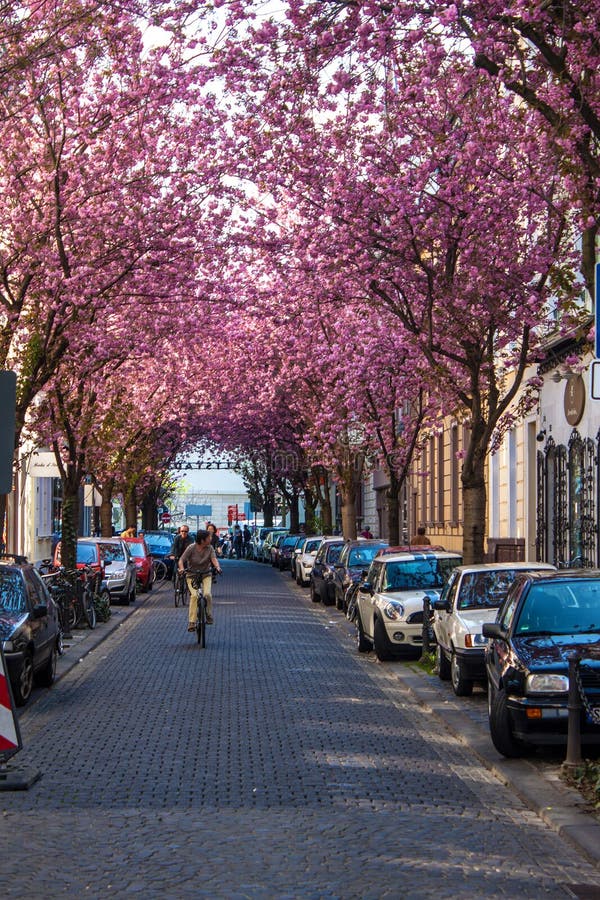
point(70, 519)
point(393, 507)
point(294, 514)
point(131, 508)
point(149, 507)
point(268, 511)
point(474, 509)
point(106, 509)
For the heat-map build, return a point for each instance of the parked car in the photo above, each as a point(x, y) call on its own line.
point(471, 597)
point(355, 559)
point(119, 568)
point(159, 544)
point(269, 538)
point(390, 601)
point(304, 557)
point(321, 576)
point(286, 550)
point(29, 627)
point(545, 617)
point(87, 555)
point(143, 562)
point(275, 545)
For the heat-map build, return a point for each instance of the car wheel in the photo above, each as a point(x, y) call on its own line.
point(46, 675)
point(23, 684)
point(339, 602)
point(363, 644)
point(149, 585)
point(313, 594)
point(131, 595)
point(500, 726)
point(299, 580)
point(442, 666)
point(381, 642)
point(461, 685)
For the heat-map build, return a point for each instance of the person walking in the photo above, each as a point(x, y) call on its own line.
point(420, 537)
point(247, 537)
point(198, 560)
point(366, 532)
point(238, 542)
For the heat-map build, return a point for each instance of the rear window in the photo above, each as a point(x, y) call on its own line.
point(158, 542)
point(112, 553)
point(363, 555)
point(87, 554)
point(418, 574)
point(137, 550)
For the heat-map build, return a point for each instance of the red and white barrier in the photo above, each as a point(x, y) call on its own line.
point(10, 736)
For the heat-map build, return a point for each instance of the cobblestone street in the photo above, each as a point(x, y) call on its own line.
point(275, 763)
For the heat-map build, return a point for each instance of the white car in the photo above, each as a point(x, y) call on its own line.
point(390, 601)
point(471, 598)
point(305, 558)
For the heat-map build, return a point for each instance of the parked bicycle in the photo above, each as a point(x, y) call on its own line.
point(182, 591)
point(74, 592)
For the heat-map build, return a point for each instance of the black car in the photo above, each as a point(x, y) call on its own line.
point(321, 576)
point(286, 550)
point(544, 618)
point(29, 627)
point(355, 558)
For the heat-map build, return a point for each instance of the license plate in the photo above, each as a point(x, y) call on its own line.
point(595, 710)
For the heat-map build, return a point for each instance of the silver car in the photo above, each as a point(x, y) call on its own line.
point(119, 568)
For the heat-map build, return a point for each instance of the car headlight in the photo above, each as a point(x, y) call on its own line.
point(547, 684)
point(475, 640)
point(8, 647)
point(393, 610)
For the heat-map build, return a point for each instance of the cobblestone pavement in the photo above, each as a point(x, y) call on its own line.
point(276, 763)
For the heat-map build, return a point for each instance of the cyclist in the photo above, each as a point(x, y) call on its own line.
point(181, 541)
point(199, 559)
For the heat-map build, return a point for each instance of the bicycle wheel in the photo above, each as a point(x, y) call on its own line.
point(178, 590)
point(201, 624)
point(160, 571)
point(89, 609)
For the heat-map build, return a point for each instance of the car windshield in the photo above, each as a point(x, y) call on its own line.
point(12, 595)
point(561, 607)
point(112, 553)
point(289, 542)
point(417, 574)
point(363, 555)
point(484, 590)
point(86, 554)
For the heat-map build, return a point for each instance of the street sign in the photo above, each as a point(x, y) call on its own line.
point(165, 517)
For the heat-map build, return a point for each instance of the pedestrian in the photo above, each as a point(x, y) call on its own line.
point(247, 537)
point(420, 537)
point(366, 532)
point(129, 532)
point(198, 560)
point(238, 541)
point(214, 537)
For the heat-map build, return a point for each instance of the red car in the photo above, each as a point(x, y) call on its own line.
point(88, 554)
point(143, 562)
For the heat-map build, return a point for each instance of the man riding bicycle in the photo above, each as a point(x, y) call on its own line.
point(181, 541)
point(198, 560)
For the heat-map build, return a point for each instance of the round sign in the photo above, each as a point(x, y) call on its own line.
point(574, 399)
point(165, 517)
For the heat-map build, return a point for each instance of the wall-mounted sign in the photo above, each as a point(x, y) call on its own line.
point(574, 399)
point(202, 464)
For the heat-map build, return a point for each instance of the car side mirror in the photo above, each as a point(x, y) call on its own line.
point(366, 587)
point(441, 605)
point(494, 630)
point(40, 611)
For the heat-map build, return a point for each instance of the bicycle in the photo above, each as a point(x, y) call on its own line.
point(181, 589)
point(159, 571)
point(197, 580)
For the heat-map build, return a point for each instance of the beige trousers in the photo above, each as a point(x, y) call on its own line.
point(206, 590)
